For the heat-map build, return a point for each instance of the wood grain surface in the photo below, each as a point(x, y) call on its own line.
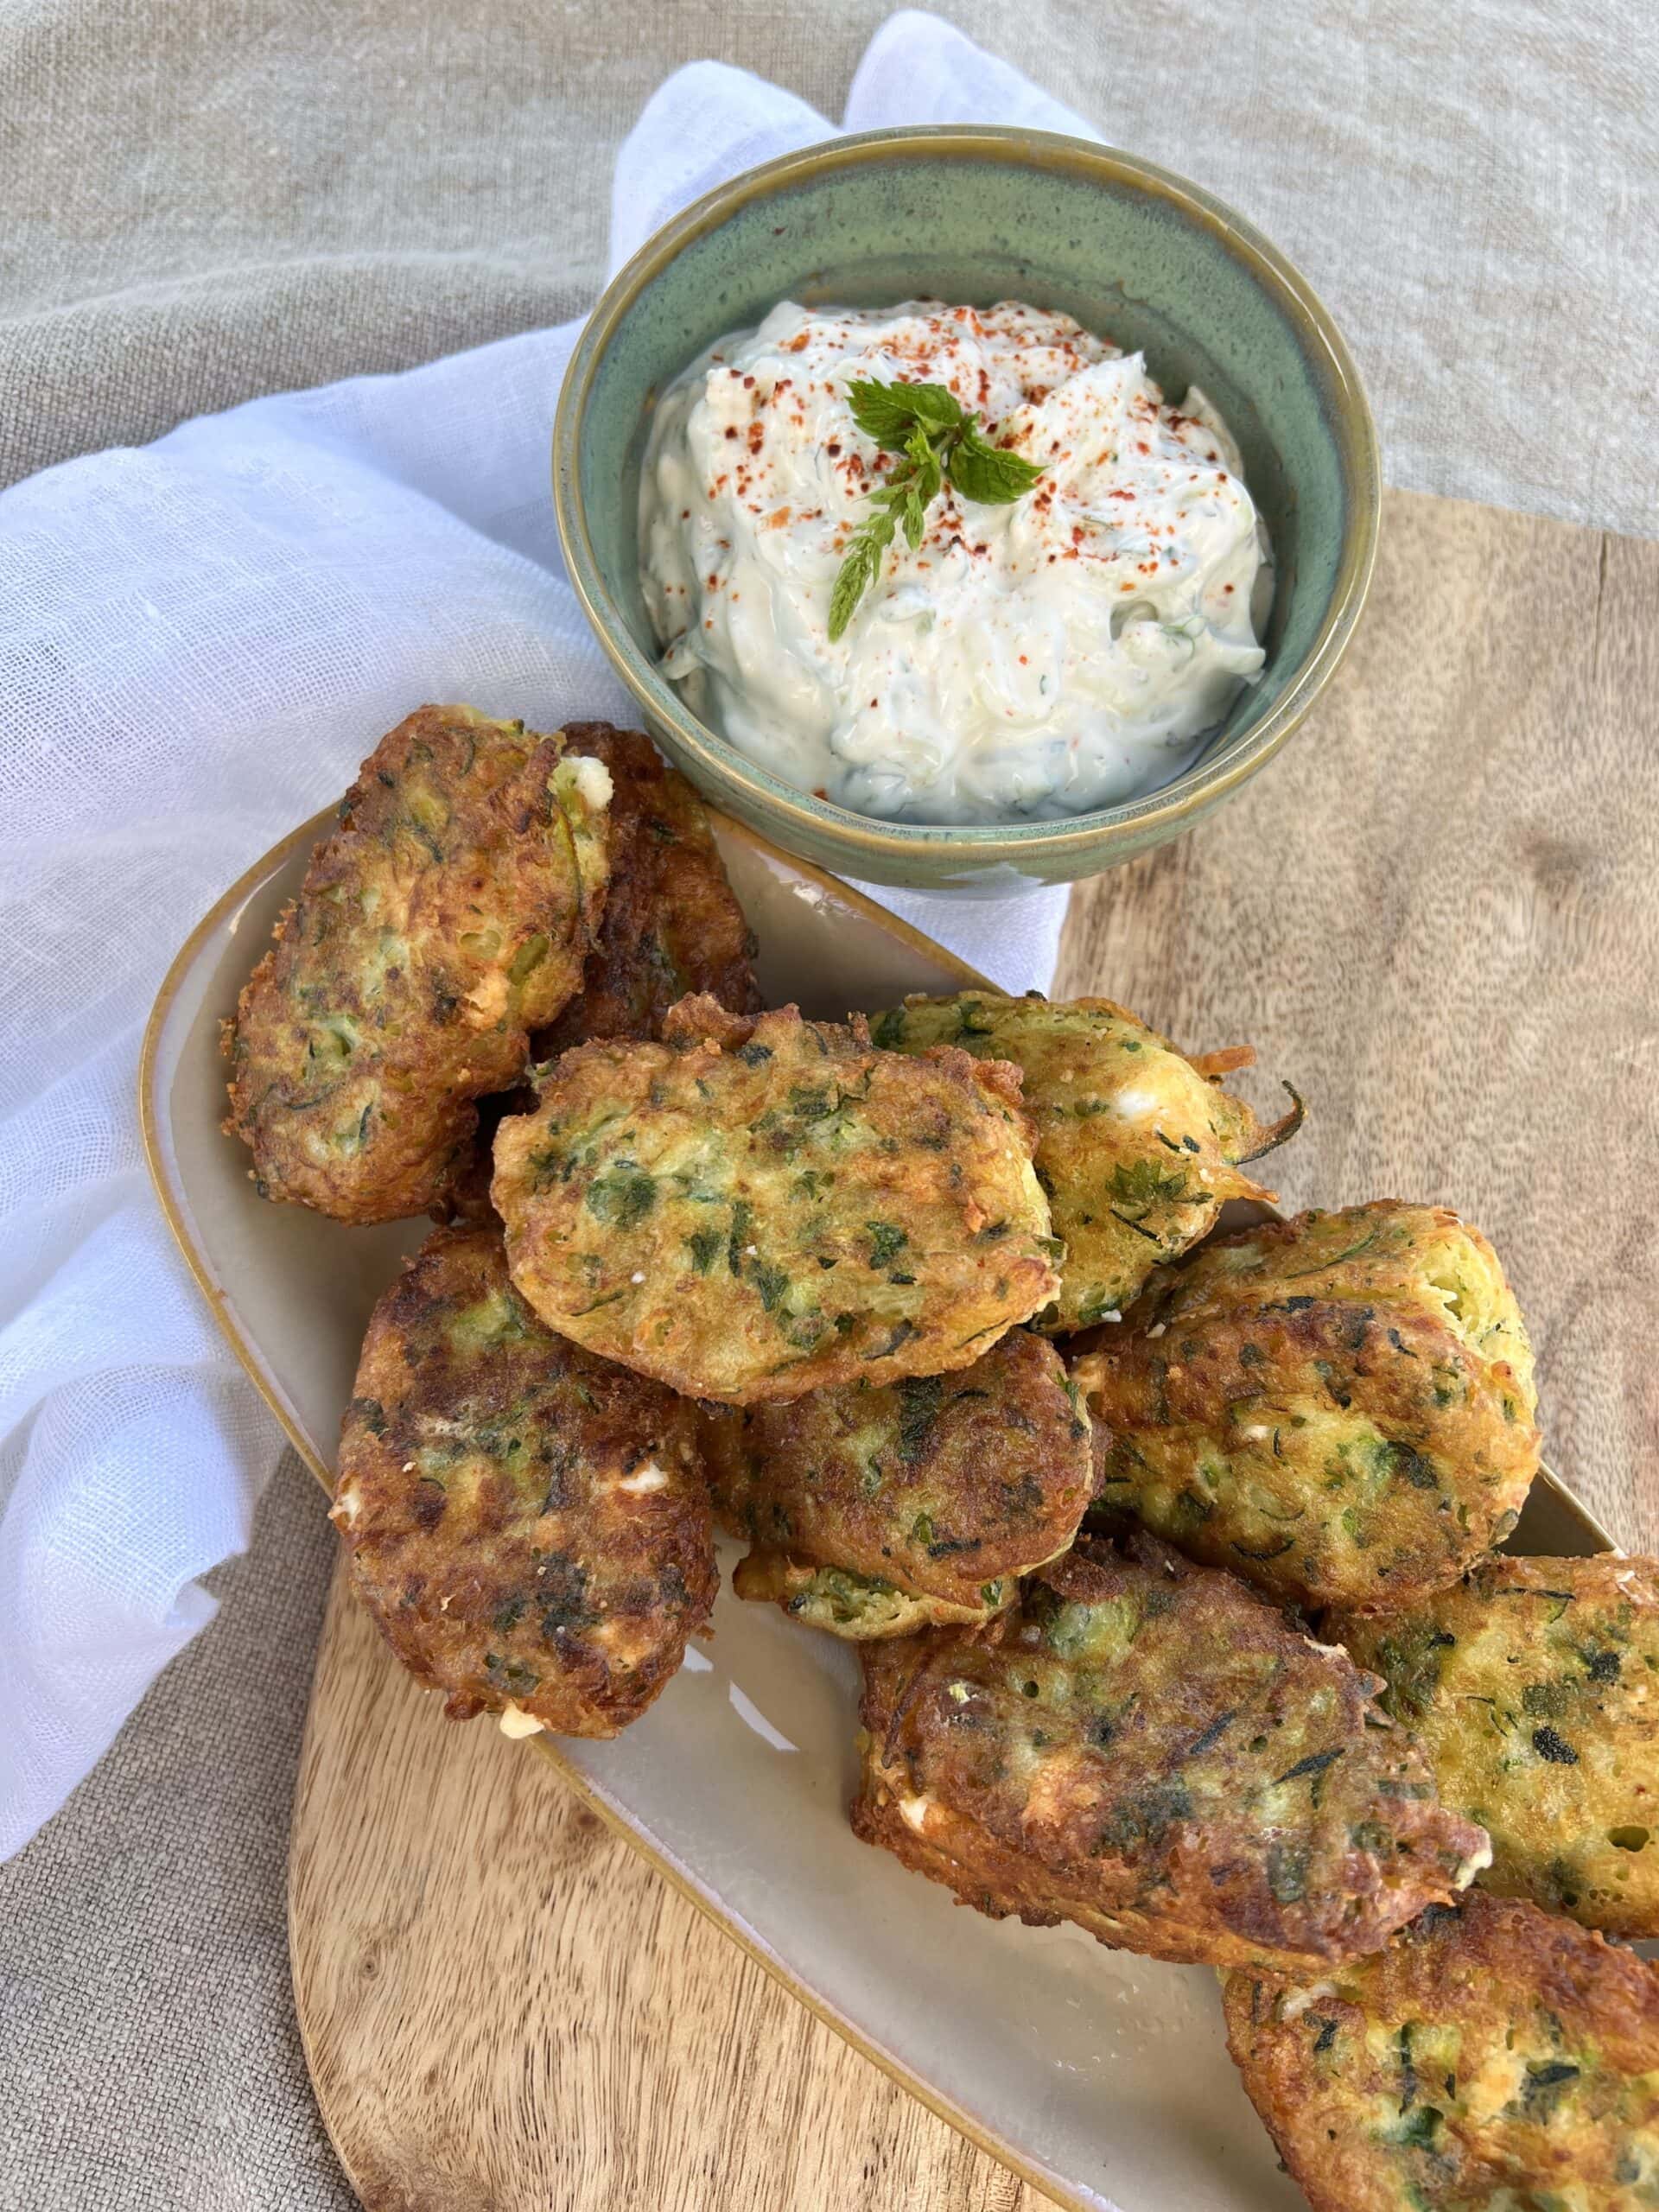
point(1438, 914)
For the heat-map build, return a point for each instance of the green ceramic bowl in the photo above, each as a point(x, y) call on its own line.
point(973, 215)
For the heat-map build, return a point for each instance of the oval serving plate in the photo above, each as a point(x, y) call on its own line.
point(1102, 2077)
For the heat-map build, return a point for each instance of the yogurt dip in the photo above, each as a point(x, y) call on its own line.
point(1029, 661)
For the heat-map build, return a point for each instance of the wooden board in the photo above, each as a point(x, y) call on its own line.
point(1438, 914)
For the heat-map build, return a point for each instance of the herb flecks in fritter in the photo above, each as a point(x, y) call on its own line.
point(1533, 1688)
point(1148, 1749)
point(752, 1209)
point(529, 1525)
point(875, 1511)
point(672, 927)
point(1492, 2059)
point(1138, 1147)
point(1338, 1408)
point(449, 916)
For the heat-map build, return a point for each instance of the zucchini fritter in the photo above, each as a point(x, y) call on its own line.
point(528, 1524)
point(1148, 1749)
point(1338, 1408)
point(1137, 1146)
point(672, 927)
point(447, 917)
point(871, 1512)
point(1492, 2059)
point(752, 1209)
point(1532, 1687)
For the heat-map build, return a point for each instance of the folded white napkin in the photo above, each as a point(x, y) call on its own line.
point(197, 643)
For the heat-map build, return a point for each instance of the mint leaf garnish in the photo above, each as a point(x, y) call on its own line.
point(988, 474)
point(924, 424)
point(885, 412)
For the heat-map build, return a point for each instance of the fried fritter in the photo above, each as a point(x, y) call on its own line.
point(1532, 1687)
point(1492, 2059)
point(528, 1524)
point(672, 927)
point(1148, 1749)
point(1138, 1147)
point(871, 1512)
point(1338, 1408)
point(447, 917)
point(752, 1209)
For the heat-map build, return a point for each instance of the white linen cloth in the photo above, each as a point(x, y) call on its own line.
point(198, 640)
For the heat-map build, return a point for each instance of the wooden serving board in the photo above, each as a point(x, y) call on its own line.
point(1439, 914)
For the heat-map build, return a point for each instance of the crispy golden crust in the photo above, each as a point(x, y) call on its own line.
point(753, 1210)
point(1338, 1408)
point(1492, 2059)
point(871, 1512)
point(1137, 1145)
point(1533, 1686)
point(672, 927)
point(529, 1525)
point(1147, 1748)
point(449, 916)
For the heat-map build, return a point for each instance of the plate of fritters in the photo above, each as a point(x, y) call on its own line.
point(874, 1436)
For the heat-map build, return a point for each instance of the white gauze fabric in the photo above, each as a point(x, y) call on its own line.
point(198, 641)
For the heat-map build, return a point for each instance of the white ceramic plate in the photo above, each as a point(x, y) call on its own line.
point(1100, 2076)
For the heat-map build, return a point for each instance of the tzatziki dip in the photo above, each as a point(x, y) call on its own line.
point(1028, 660)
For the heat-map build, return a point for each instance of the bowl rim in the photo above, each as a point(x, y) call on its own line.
point(793, 813)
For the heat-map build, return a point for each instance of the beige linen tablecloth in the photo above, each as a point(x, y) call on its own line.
point(205, 200)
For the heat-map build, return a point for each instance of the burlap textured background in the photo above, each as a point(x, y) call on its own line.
point(204, 200)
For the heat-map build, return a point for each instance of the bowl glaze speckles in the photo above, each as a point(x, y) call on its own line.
point(973, 215)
